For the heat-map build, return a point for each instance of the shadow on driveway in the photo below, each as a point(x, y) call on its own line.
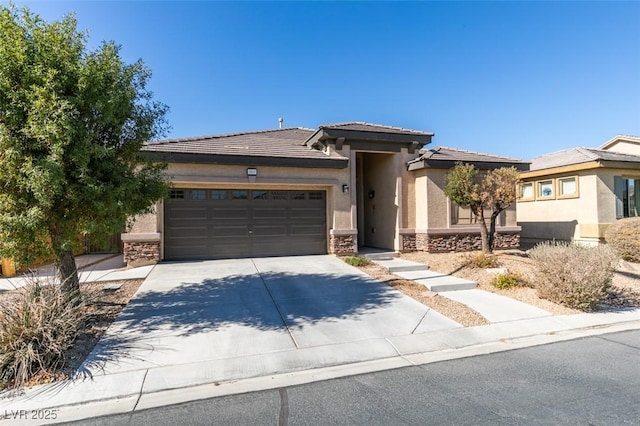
point(195, 307)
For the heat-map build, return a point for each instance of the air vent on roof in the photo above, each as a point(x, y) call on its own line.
point(280, 121)
point(236, 147)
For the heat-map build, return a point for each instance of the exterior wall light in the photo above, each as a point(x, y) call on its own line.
point(252, 172)
point(345, 188)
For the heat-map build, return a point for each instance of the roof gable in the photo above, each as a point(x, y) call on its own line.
point(620, 138)
point(371, 127)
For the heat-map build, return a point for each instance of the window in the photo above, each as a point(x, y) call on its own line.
point(198, 194)
point(627, 193)
point(259, 195)
point(568, 187)
point(298, 195)
point(545, 189)
point(218, 194)
point(278, 195)
point(316, 195)
point(176, 194)
point(526, 191)
point(240, 195)
point(464, 216)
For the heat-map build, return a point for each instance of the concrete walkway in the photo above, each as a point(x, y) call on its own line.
point(494, 307)
point(257, 324)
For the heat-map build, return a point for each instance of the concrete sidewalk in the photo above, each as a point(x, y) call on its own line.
point(91, 267)
point(149, 369)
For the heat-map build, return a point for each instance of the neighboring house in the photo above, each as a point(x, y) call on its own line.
point(297, 191)
point(577, 193)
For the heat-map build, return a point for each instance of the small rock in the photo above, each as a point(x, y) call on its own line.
point(112, 287)
point(497, 271)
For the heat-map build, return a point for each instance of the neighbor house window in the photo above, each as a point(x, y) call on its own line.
point(545, 189)
point(568, 187)
point(526, 191)
point(627, 193)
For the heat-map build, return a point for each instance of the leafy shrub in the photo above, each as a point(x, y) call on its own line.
point(37, 326)
point(482, 261)
point(356, 260)
point(504, 281)
point(624, 237)
point(573, 275)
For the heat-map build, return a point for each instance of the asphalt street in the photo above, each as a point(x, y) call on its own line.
point(594, 381)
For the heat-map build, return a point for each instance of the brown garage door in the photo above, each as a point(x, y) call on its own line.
point(228, 223)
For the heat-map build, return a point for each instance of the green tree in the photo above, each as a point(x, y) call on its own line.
point(72, 122)
point(492, 191)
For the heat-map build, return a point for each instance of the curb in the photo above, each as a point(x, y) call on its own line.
point(132, 401)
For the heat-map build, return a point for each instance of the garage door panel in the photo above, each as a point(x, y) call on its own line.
point(230, 231)
point(245, 223)
point(276, 231)
point(307, 230)
point(269, 213)
point(315, 213)
point(189, 232)
point(230, 213)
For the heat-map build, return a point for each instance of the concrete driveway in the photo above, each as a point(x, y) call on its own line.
point(247, 317)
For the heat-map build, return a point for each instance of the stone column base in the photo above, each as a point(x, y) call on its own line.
point(141, 249)
point(343, 242)
point(452, 239)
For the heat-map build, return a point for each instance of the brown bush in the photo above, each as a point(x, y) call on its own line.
point(624, 237)
point(573, 275)
point(37, 326)
point(482, 260)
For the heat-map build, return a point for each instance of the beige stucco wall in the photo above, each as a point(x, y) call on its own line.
point(583, 218)
point(145, 223)
point(421, 197)
point(438, 203)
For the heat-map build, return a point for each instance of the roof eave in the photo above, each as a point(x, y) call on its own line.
point(246, 160)
point(481, 165)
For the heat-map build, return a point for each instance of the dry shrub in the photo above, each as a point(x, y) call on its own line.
point(573, 275)
point(482, 261)
point(37, 326)
point(624, 237)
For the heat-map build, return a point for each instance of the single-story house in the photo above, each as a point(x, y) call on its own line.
point(293, 191)
point(575, 194)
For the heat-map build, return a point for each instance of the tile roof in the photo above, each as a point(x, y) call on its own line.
point(442, 153)
point(371, 127)
point(579, 155)
point(287, 143)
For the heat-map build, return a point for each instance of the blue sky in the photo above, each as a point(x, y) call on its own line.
point(511, 78)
